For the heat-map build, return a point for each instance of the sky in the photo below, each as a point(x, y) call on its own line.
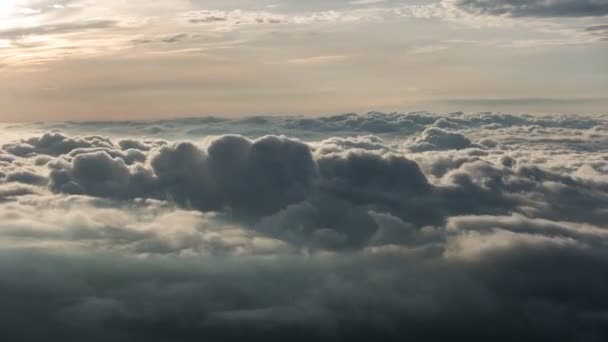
point(291, 170)
point(114, 59)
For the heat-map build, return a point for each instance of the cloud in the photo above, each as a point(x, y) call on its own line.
point(175, 38)
point(434, 138)
point(366, 2)
point(57, 29)
point(536, 8)
point(350, 175)
point(600, 31)
point(485, 233)
point(233, 171)
point(524, 102)
point(364, 11)
point(55, 144)
point(99, 174)
point(317, 60)
point(515, 278)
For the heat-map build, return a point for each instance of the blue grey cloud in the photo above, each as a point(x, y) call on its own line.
point(470, 226)
point(537, 8)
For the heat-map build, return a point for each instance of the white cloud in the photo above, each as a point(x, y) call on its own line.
point(366, 2)
point(318, 60)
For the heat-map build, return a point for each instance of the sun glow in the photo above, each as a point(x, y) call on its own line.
point(7, 8)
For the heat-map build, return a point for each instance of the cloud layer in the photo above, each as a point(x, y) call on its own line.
point(377, 226)
point(537, 8)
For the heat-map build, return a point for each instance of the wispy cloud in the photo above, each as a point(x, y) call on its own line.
point(366, 2)
point(318, 60)
point(57, 29)
point(428, 49)
point(536, 8)
point(600, 31)
point(373, 50)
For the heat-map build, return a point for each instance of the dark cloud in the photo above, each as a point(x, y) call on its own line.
point(319, 193)
point(597, 28)
point(233, 172)
point(209, 19)
point(472, 227)
point(11, 191)
point(26, 177)
point(99, 174)
point(175, 38)
point(353, 171)
point(536, 8)
point(525, 288)
point(438, 139)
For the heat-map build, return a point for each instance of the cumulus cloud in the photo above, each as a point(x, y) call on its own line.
point(55, 144)
point(438, 139)
point(473, 226)
point(99, 174)
point(232, 172)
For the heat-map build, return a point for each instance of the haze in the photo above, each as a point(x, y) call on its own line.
point(112, 59)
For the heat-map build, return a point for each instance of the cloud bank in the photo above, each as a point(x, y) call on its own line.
point(378, 226)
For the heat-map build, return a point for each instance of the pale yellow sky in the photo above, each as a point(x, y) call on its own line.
point(111, 59)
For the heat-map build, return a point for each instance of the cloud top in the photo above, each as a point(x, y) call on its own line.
point(478, 226)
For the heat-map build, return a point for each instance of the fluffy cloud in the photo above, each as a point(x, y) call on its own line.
point(461, 221)
point(55, 144)
point(438, 139)
point(233, 172)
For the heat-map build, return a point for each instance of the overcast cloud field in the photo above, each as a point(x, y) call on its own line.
point(304, 170)
point(402, 226)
